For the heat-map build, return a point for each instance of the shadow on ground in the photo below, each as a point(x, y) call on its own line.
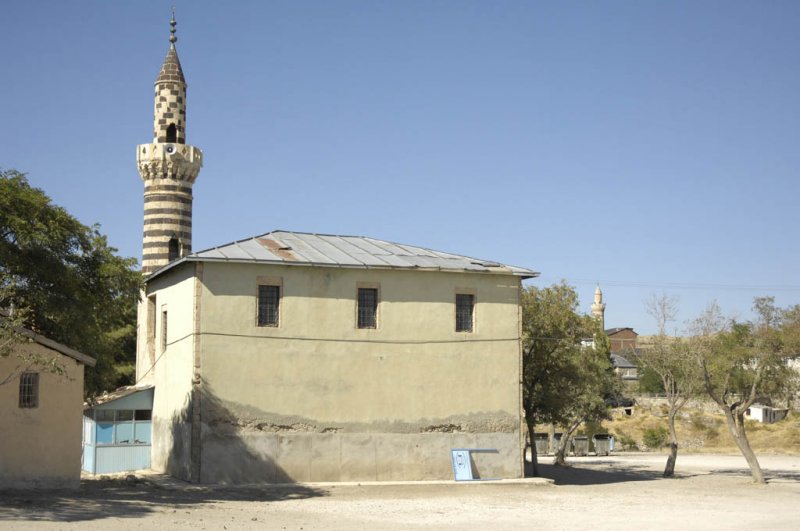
point(770, 475)
point(117, 498)
point(593, 473)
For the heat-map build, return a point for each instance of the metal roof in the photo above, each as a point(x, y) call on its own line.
point(621, 363)
point(325, 250)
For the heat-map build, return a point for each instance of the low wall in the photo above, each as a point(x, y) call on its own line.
point(247, 457)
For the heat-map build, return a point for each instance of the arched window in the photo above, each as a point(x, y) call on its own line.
point(172, 133)
point(174, 249)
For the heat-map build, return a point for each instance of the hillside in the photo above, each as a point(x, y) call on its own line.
point(700, 429)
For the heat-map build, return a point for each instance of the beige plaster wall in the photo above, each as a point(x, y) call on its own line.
point(318, 399)
point(41, 446)
point(172, 372)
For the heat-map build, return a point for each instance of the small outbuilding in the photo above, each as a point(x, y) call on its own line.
point(40, 409)
point(765, 414)
point(117, 431)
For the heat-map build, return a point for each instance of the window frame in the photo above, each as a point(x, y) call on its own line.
point(465, 292)
point(29, 390)
point(164, 327)
point(375, 317)
point(263, 280)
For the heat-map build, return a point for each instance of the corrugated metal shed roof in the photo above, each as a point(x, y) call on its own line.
point(300, 248)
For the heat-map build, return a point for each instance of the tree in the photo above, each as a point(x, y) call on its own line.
point(77, 290)
point(744, 363)
point(673, 362)
point(564, 382)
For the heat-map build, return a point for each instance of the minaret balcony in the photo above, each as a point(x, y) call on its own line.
point(174, 161)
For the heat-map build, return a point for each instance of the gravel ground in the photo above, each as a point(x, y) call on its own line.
point(616, 492)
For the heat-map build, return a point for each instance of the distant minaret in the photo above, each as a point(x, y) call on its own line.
point(169, 167)
point(599, 307)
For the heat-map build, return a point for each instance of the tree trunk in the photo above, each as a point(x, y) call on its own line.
point(669, 469)
point(735, 421)
point(561, 452)
point(534, 455)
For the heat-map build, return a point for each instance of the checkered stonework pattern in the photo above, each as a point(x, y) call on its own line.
point(168, 168)
point(170, 100)
point(170, 108)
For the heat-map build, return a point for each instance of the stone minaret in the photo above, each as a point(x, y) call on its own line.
point(599, 307)
point(169, 167)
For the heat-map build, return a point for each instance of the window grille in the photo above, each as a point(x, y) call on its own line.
point(29, 389)
point(465, 305)
point(269, 300)
point(367, 307)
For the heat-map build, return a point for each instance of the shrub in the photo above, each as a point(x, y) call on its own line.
point(655, 437)
point(626, 441)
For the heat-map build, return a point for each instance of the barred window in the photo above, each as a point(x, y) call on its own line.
point(29, 389)
point(367, 307)
point(465, 305)
point(269, 301)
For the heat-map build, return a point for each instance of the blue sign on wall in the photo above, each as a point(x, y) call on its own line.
point(462, 467)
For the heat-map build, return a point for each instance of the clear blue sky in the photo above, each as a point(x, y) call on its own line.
point(649, 146)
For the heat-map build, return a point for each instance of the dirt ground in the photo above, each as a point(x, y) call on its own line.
point(616, 492)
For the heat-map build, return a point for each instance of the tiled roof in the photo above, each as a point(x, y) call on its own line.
point(300, 248)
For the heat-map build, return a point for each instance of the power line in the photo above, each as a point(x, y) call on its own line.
point(705, 286)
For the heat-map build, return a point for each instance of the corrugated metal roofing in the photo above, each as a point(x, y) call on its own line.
point(300, 248)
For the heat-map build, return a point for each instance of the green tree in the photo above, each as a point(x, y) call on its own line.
point(673, 362)
point(77, 290)
point(564, 382)
point(746, 362)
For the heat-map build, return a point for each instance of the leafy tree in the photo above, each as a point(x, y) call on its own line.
point(77, 290)
point(674, 364)
point(649, 380)
point(564, 382)
point(746, 362)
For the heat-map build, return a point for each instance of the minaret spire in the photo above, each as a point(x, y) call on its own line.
point(168, 166)
point(172, 37)
point(599, 307)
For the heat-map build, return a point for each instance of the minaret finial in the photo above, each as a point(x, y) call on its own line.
point(172, 37)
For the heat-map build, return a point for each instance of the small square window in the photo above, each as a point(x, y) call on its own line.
point(29, 390)
point(367, 308)
point(269, 301)
point(465, 305)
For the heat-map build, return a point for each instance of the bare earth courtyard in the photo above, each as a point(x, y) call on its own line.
point(616, 492)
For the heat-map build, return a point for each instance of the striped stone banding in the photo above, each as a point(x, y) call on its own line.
point(161, 243)
point(166, 198)
point(151, 188)
point(155, 233)
point(157, 257)
point(178, 211)
point(168, 221)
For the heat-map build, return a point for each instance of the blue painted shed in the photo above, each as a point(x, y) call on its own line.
point(117, 431)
